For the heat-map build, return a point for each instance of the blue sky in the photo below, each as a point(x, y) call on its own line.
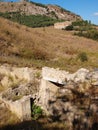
point(87, 9)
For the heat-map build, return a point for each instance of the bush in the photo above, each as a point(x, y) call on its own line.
point(81, 23)
point(40, 54)
point(83, 56)
point(36, 111)
point(85, 29)
point(69, 28)
point(92, 34)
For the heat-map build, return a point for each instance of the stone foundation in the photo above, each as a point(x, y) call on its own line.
point(22, 107)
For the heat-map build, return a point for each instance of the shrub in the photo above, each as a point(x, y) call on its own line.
point(36, 111)
point(85, 29)
point(69, 28)
point(81, 23)
point(92, 34)
point(83, 56)
point(30, 20)
point(40, 54)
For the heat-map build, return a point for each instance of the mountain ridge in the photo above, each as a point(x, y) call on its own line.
point(32, 8)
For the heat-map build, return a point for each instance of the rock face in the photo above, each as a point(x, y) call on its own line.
point(71, 98)
point(35, 9)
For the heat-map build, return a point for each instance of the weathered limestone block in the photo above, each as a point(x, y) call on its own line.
point(61, 77)
point(80, 75)
point(70, 77)
point(54, 75)
point(84, 86)
point(94, 78)
point(22, 107)
point(47, 92)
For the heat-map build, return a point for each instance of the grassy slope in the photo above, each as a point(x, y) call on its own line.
point(37, 47)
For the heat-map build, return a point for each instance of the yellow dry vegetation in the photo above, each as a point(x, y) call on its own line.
point(37, 47)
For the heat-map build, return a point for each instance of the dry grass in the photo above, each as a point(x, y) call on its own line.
point(37, 47)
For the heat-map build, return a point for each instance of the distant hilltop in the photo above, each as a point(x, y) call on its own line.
point(32, 8)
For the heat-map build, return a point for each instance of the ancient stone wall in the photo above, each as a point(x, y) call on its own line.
point(17, 84)
point(22, 107)
point(62, 25)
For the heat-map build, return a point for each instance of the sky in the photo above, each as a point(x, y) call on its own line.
point(87, 9)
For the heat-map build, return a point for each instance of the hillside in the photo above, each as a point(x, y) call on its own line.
point(38, 47)
point(25, 51)
point(32, 8)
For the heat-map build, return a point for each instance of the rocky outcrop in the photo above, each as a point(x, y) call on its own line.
point(35, 9)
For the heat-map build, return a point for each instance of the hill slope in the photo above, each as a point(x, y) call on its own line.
point(32, 8)
point(38, 47)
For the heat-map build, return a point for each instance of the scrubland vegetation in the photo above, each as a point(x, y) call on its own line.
point(30, 20)
point(46, 46)
point(84, 29)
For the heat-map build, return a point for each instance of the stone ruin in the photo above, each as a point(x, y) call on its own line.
point(19, 84)
point(70, 98)
point(62, 25)
point(64, 97)
point(22, 107)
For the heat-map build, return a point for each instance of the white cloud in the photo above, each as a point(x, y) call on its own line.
point(96, 14)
